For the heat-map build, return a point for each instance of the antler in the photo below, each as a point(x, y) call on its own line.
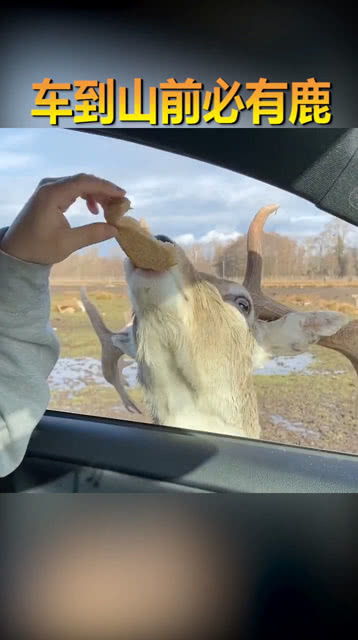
point(111, 366)
point(345, 340)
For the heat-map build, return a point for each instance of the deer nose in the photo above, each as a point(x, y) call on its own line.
point(164, 238)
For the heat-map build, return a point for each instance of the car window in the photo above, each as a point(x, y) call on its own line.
point(310, 263)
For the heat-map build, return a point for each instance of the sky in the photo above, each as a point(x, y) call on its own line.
point(186, 199)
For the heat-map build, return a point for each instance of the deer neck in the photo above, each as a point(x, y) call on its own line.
point(188, 388)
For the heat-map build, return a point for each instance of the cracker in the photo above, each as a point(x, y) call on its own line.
point(116, 210)
point(145, 251)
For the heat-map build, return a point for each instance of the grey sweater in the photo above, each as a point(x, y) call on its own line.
point(29, 350)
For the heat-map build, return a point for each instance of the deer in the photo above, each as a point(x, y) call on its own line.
point(75, 305)
point(197, 339)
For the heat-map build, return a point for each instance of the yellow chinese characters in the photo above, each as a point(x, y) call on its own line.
point(176, 103)
point(181, 101)
point(48, 97)
point(96, 101)
point(310, 102)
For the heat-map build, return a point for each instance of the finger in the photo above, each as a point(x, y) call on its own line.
point(89, 234)
point(46, 181)
point(84, 184)
point(64, 191)
point(92, 205)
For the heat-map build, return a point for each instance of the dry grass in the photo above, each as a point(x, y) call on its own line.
point(317, 303)
point(306, 282)
point(344, 307)
point(103, 295)
point(70, 302)
point(73, 282)
point(324, 403)
point(267, 282)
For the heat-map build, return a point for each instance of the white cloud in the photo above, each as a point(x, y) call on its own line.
point(225, 191)
point(194, 203)
point(79, 210)
point(185, 239)
point(221, 237)
point(17, 138)
point(17, 160)
point(189, 200)
point(294, 219)
point(9, 208)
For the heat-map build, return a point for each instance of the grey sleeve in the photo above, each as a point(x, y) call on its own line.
point(29, 350)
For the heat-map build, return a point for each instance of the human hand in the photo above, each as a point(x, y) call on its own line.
point(42, 234)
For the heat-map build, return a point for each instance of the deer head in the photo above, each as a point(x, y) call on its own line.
point(198, 338)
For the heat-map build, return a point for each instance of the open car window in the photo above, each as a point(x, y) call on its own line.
point(308, 399)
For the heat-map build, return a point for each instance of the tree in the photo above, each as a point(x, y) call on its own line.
point(280, 257)
point(89, 265)
point(335, 234)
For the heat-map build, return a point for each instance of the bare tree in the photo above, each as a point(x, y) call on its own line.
point(335, 245)
point(280, 257)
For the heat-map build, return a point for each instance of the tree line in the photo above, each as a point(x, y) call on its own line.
point(329, 254)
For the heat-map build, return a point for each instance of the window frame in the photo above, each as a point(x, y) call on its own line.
point(196, 459)
point(200, 460)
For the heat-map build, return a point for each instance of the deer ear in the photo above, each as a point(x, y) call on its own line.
point(124, 340)
point(296, 331)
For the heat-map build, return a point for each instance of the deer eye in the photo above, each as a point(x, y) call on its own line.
point(243, 304)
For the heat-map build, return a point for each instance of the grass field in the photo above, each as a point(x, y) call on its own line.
point(314, 407)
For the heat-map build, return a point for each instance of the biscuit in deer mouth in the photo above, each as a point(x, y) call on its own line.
point(145, 251)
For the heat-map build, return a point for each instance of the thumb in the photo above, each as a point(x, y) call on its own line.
point(91, 234)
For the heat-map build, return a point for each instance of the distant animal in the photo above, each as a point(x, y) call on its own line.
point(71, 307)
